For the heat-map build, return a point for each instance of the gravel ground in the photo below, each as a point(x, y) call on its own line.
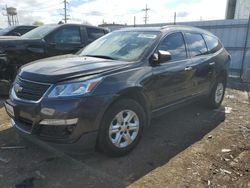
point(220, 159)
point(183, 148)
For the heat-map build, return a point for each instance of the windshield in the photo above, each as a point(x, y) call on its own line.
point(121, 45)
point(39, 32)
point(6, 30)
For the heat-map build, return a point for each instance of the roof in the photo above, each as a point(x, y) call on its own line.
point(168, 28)
point(15, 26)
point(74, 24)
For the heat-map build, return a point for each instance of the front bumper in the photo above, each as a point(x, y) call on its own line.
point(26, 118)
point(85, 143)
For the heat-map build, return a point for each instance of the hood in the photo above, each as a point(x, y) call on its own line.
point(58, 68)
point(15, 41)
point(8, 37)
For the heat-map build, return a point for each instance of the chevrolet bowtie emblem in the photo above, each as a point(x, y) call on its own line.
point(18, 88)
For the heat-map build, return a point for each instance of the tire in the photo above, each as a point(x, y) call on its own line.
point(217, 92)
point(117, 135)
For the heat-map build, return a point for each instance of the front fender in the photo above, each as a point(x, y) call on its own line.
point(136, 93)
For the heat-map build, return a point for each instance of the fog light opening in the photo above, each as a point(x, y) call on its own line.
point(70, 128)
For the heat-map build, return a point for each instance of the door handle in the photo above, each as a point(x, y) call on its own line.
point(52, 44)
point(188, 68)
point(212, 63)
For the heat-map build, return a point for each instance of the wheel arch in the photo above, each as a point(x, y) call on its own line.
point(134, 93)
point(137, 94)
point(222, 74)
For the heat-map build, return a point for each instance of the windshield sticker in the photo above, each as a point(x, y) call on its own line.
point(149, 36)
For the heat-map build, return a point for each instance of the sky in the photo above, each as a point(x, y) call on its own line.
point(118, 11)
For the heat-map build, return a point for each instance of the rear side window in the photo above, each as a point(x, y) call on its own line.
point(196, 44)
point(174, 43)
point(68, 35)
point(94, 33)
point(213, 43)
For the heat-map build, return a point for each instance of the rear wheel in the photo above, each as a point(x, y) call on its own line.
point(121, 128)
point(217, 93)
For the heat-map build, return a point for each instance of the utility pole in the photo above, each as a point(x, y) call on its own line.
point(65, 11)
point(134, 21)
point(174, 18)
point(245, 49)
point(146, 14)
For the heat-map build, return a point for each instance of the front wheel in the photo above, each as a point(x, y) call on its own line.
point(217, 93)
point(121, 128)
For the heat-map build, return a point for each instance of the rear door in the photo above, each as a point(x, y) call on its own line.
point(201, 64)
point(214, 49)
point(171, 80)
point(65, 40)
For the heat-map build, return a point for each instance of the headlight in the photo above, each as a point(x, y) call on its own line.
point(74, 88)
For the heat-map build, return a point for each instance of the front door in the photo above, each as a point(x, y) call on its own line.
point(172, 79)
point(65, 40)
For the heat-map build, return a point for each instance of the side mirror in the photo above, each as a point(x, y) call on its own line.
point(161, 56)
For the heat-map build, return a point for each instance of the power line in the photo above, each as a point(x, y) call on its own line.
point(38, 8)
point(66, 16)
point(146, 17)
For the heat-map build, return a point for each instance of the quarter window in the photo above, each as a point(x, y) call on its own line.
point(174, 43)
point(196, 44)
point(213, 43)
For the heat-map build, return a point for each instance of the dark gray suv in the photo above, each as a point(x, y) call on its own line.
point(106, 94)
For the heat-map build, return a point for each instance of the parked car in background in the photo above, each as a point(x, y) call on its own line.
point(16, 30)
point(44, 41)
point(106, 94)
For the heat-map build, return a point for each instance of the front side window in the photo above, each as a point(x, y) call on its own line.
point(174, 43)
point(196, 44)
point(121, 45)
point(213, 43)
point(67, 35)
point(39, 32)
point(94, 33)
point(21, 30)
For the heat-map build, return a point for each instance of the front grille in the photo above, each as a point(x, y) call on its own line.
point(29, 90)
point(58, 132)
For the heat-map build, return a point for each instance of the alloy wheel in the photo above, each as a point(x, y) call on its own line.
point(124, 128)
point(219, 92)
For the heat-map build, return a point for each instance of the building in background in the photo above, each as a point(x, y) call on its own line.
point(112, 26)
point(238, 9)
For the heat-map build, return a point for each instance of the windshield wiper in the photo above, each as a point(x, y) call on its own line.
point(101, 56)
